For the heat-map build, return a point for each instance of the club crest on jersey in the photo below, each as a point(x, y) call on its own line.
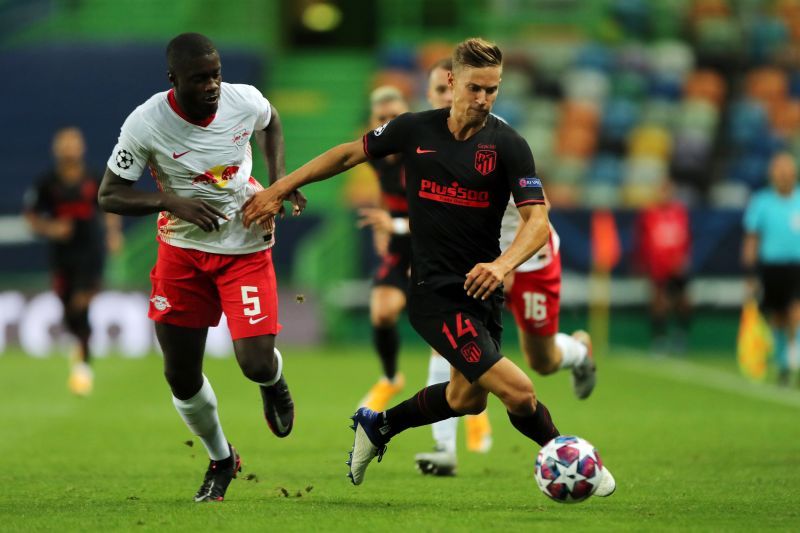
point(160, 303)
point(531, 182)
point(218, 176)
point(378, 131)
point(240, 136)
point(485, 161)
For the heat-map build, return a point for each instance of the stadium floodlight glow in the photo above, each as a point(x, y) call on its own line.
point(321, 17)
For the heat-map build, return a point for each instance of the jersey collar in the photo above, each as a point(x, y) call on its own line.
point(173, 103)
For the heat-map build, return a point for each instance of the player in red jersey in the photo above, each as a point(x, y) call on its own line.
point(196, 140)
point(663, 251)
point(62, 207)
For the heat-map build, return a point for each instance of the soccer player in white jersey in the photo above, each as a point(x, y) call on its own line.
point(195, 138)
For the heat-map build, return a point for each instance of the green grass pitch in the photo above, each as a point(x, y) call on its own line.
point(692, 448)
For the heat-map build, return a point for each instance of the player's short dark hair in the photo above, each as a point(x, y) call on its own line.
point(477, 53)
point(188, 46)
point(445, 64)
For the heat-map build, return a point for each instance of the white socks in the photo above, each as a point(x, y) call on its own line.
point(573, 352)
point(444, 431)
point(200, 414)
point(278, 372)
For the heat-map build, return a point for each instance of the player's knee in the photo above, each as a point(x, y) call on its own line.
point(384, 318)
point(260, 370)
point(543, 365)
point(182, 385)
point(465, 404)
point(520, 401)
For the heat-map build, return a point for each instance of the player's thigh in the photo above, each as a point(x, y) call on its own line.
point(248, 291)
point(459, 328)
point(386, 302)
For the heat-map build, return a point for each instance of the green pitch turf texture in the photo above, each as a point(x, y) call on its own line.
point(693, 447)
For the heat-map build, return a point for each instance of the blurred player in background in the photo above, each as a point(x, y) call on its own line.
point(196, 140)
point(62, 207)
point(462, 165)
point(664, 253)
point(771, 256)
point(393, 245)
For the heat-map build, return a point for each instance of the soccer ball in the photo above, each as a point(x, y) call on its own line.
point(568, 469)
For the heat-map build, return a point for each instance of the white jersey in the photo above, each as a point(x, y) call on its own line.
point(539, 260)
point(211, 161)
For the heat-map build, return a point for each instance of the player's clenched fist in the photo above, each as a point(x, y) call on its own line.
point(198, 212)
point(483, 279)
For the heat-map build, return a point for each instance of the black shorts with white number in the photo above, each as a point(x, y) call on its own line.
point(465, 331)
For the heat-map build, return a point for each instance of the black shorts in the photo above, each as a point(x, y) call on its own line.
point(393, 270)
point(780, 286)
point(465, 331)
point(71, 278)
point(674, 285)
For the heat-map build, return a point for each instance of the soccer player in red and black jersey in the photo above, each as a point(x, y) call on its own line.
point(462, 164)
point(62, 207)
point(393, 244)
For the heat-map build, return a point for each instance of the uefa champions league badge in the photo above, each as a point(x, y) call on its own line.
point(532, 182)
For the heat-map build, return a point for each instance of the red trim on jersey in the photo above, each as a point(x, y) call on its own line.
point(529, 202)
point(364, 142)
point(395, 202)
point(173, 103)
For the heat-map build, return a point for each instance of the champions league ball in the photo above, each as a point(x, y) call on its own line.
point(568, 469)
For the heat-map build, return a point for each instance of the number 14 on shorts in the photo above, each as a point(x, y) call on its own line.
point(470, 351)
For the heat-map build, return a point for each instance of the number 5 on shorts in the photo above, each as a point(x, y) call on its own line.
point(250, 300)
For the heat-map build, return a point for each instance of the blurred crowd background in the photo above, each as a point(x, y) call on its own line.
point(615, 97)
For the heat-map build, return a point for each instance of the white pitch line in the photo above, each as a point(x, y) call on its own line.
point(697, 374)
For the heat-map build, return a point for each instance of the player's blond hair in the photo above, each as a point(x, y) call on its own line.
point(477, 53)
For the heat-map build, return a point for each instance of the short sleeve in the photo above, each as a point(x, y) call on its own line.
point(262, 107)
point(753, 215)
point(130, 155)
point(525, 185)
point(389, 138)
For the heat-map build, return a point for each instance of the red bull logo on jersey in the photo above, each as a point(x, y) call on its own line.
point(485, 161)
point(218, 176)
point(453, 194)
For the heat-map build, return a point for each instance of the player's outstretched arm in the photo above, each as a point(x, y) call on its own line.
point(117, 195)
point(484, 278)
point(270, 142)
point(267, 203)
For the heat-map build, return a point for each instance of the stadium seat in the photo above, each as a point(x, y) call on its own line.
point(650, 141)
point(705, 84)
point(586, 85)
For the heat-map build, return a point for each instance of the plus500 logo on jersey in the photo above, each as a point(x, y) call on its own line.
point(453, 194)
